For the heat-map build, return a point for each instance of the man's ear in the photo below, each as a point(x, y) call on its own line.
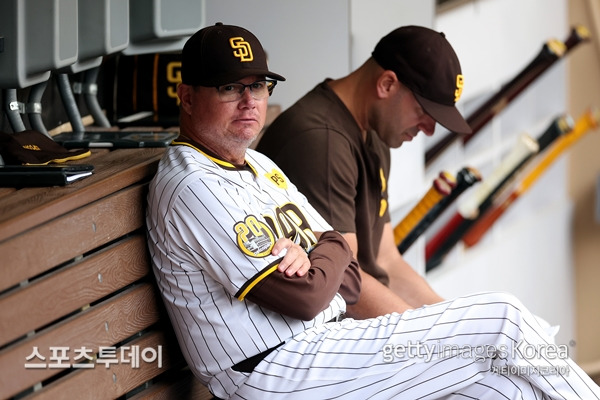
point(184, 92)
point(386, 84)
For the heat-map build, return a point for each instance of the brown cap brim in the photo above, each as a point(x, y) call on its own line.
point(233, 76)
point(445, 115)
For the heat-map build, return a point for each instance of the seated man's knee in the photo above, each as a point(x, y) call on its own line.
point(502, 303)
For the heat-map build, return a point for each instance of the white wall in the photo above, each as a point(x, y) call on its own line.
point(528, 251)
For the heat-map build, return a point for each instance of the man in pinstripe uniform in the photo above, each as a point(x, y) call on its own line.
point(255, 281)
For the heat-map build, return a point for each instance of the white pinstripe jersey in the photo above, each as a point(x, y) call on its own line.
point(211, 228)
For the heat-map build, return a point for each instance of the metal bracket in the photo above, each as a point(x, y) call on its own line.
point(33, 108)
point(85, 88)
point(17, 106)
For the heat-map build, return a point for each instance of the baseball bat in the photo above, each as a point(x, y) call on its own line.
point(448, 178)
point(588, 121)
point(551, 51)
point(559, 126)
point(441, 187)
point(465, 178)
point(577, 35)
point(467, 212)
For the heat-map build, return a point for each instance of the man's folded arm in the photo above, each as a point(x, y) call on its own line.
point(333, 270)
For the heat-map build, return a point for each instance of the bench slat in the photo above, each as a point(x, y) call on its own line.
point(30, 207)
point(183, 386)
point(6, 191)
point(105, 324)
point(72, 234)
point(72, 287)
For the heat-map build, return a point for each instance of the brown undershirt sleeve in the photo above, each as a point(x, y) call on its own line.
point(333, 269)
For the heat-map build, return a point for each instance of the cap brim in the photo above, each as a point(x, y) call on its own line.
point(233, 76)
point(447, 116)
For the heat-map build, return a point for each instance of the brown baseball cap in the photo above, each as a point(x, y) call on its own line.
point(221, 54)
point(31, 147)
point(425, 62)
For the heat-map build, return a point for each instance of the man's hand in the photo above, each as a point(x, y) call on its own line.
point(295, 260)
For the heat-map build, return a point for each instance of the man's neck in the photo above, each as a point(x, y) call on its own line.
point(353, 93)
point(238, 160)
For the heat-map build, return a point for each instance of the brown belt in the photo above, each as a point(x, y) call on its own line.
point(249, 364)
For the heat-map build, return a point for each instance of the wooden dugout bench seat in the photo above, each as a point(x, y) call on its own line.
point(80, 317)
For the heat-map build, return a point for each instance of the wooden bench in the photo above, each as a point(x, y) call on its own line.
point(77, 292)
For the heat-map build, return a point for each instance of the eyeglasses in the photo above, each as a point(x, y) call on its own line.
point(235, 91)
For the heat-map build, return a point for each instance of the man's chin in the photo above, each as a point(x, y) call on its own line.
point(405, 138)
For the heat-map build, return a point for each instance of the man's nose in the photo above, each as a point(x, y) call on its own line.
point(427, 125)
point(247, 96)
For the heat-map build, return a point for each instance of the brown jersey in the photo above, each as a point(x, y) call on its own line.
point(318, 144)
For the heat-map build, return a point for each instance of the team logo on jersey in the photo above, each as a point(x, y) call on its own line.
point(383, 203)
point(290, 222)
point(241, 49)
point(383, 180)
point(277, 178)
point(382, 207)
point(254, 237)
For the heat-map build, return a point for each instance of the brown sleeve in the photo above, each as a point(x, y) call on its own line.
point(350, 287)
point(332, 269)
